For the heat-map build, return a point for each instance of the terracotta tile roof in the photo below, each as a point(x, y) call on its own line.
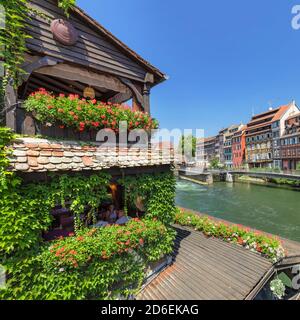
point(275, 116)
point(40, 155)
point(282, 110)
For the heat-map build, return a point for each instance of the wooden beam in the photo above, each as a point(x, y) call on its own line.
point(149, 78)
point(120, 98)
point(36, 64)
point(10, 101)
point(61, 87)
point(134, 90)
point(85, 76)
point(81, 87)
point(48, 86)
point(136, 105)
point(146, 97)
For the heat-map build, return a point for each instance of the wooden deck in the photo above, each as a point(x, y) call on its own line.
point(207, 269)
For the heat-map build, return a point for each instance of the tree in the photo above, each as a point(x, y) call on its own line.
point(188, 143)
point(214, 163)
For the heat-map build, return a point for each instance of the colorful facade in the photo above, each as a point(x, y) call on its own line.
point(259, 139)
point(290, 143)
point(278, 130)
point(239, 148)
point(228, 156)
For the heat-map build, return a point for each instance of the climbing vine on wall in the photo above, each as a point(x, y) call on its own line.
point(156, 190)
point(13, 36)
point(24, 209)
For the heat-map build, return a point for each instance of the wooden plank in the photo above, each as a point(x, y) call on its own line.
point(61, 87)
point(82, 75)
point(79, 57)
point(134, 89)
point(10, 100)
point(85, 40)
point(82, 48)
point(120, 97)
point(208, 269)
point(85, 33)
point(36, 48)
point(233, 252)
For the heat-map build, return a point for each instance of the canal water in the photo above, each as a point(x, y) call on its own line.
point(269, 209)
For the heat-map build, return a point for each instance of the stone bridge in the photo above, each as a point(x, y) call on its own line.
point(210, 176)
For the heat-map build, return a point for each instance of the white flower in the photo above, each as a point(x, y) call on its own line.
point(61, 270)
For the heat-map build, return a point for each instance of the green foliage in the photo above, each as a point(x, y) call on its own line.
point(25, 208)
point(215, 163)
point(298, 166)
point(255, 241)
point(283, 181)
point(278, 288)
point(157, 191)
point(83, 115)
point(13, 37)
point(66, 5)
point(96, 264)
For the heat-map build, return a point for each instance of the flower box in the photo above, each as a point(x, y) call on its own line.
point(70, 117)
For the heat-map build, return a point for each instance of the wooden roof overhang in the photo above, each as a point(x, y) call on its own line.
point(97, 58)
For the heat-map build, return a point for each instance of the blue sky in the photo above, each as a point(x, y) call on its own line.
point(225, 59)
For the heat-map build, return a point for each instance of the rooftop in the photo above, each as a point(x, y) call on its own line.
point(207, 269)
point(41, 155)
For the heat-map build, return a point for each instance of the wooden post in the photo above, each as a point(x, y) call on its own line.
point(146, 97)
point(10, 101)
point(135, 104)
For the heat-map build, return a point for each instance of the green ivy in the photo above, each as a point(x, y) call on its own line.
point(25, 208)
point(96, 264)
point(157, 191)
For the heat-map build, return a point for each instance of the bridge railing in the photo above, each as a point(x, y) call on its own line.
point(267, 170)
